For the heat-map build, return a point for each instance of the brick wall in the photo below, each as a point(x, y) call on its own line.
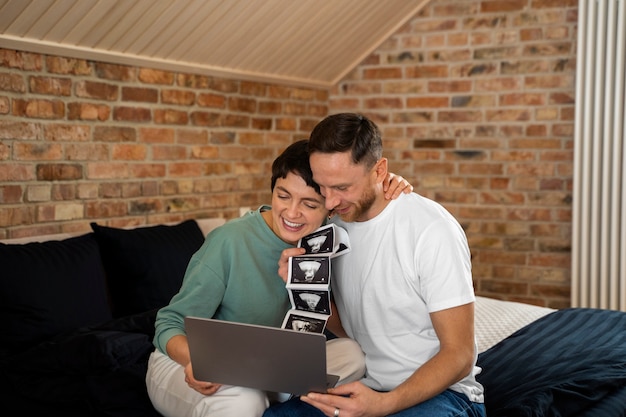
point(86, 141)
point(475, 100)
point(476, 103)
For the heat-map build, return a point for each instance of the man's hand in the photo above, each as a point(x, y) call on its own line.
point(283, 262)
point(352, 400)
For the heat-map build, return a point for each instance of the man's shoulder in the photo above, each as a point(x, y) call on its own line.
point(414, 201)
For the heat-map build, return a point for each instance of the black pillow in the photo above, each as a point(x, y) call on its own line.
point(87, 370)
point(145, 266)
point(50, 287)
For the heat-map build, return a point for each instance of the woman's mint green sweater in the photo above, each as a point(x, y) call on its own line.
point(233, 276)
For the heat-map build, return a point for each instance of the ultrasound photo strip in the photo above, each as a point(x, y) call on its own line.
point(330, 239)
point(308, 279)
point(309, 270)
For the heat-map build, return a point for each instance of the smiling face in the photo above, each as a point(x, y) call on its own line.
point(297, 209)
point(352, 191)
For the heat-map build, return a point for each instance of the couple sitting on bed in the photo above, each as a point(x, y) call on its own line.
point(406, 295)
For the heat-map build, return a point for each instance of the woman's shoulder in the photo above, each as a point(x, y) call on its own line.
point(248, 224)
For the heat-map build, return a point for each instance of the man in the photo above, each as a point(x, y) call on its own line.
point(404, 292)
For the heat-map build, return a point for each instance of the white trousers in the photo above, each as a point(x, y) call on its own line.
point(172, 397)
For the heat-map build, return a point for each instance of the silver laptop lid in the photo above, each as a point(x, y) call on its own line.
point(261, 357)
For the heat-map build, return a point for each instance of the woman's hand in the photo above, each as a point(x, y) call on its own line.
point(394, 185)
point(204, 388)
point(283, 262)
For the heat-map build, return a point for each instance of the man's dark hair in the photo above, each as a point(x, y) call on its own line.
point(295, 159)
point(352, 132)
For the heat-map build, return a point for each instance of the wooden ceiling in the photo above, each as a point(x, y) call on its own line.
point(302, 42)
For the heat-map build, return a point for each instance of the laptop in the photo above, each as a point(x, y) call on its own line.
point(261, 357)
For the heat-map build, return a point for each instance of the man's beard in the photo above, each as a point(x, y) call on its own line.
point(360, 209)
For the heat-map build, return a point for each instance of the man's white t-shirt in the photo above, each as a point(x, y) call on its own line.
point(410, 260)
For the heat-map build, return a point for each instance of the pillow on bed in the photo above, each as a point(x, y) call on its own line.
point(50, 287)
point(495, 320)
point(145, 266)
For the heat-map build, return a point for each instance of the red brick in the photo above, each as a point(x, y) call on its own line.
point(180, 97)
point(103, 209)
point(382, 73)
point(129, 152)
point(240, 104)
point(25, 61)
point(12, 82)
point(41, 109)
point(131, 114)
point(502, 5)
point(148, 170)
point(140, 94)
point(205, 152)
point(19, 130)
point(152, 76)
point(223, 85)
point(217, 101)
point(222, 138)
point(459, 116)
point(106, 170)
point(303, 94)
point(510, 115)
point(193, 81)
point(383, 103)
point(51, 86)
point(5, 105)
point(185, 169)
point(523, 99)
point(86, 152)
point(259, 123)
point(164, 152)
point(38, 151)
point(191, 136)
point(115, 72)
point(114, 134)
point(16, 172)
point(71, 66)
point(449, 86)
point(294, 109)
point(558, 4)
point(202, 118)
point(97, 90)
point(10, 194)
point(156, 135)
point(549, 81)
point(59, 172)
point(88, 111)
point(170, 117)
point(427, 101)
point(253, 88)
point(63, 192)
point(233, 120)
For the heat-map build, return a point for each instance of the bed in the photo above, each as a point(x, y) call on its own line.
point(535, 361)
point(542, 362)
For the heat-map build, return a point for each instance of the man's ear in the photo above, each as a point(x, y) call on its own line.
point(381, 169)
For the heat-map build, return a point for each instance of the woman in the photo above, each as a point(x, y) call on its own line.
point(233, 277)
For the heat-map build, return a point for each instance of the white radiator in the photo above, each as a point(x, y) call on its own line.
point(599, 194)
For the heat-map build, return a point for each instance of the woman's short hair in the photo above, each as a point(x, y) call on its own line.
point(294, 159)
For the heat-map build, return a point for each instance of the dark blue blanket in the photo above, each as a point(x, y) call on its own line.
point(569, 363)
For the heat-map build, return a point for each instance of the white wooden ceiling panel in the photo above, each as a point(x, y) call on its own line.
point(303, 42)
point(144, 30)
point(48, 20)
point(63, 25)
